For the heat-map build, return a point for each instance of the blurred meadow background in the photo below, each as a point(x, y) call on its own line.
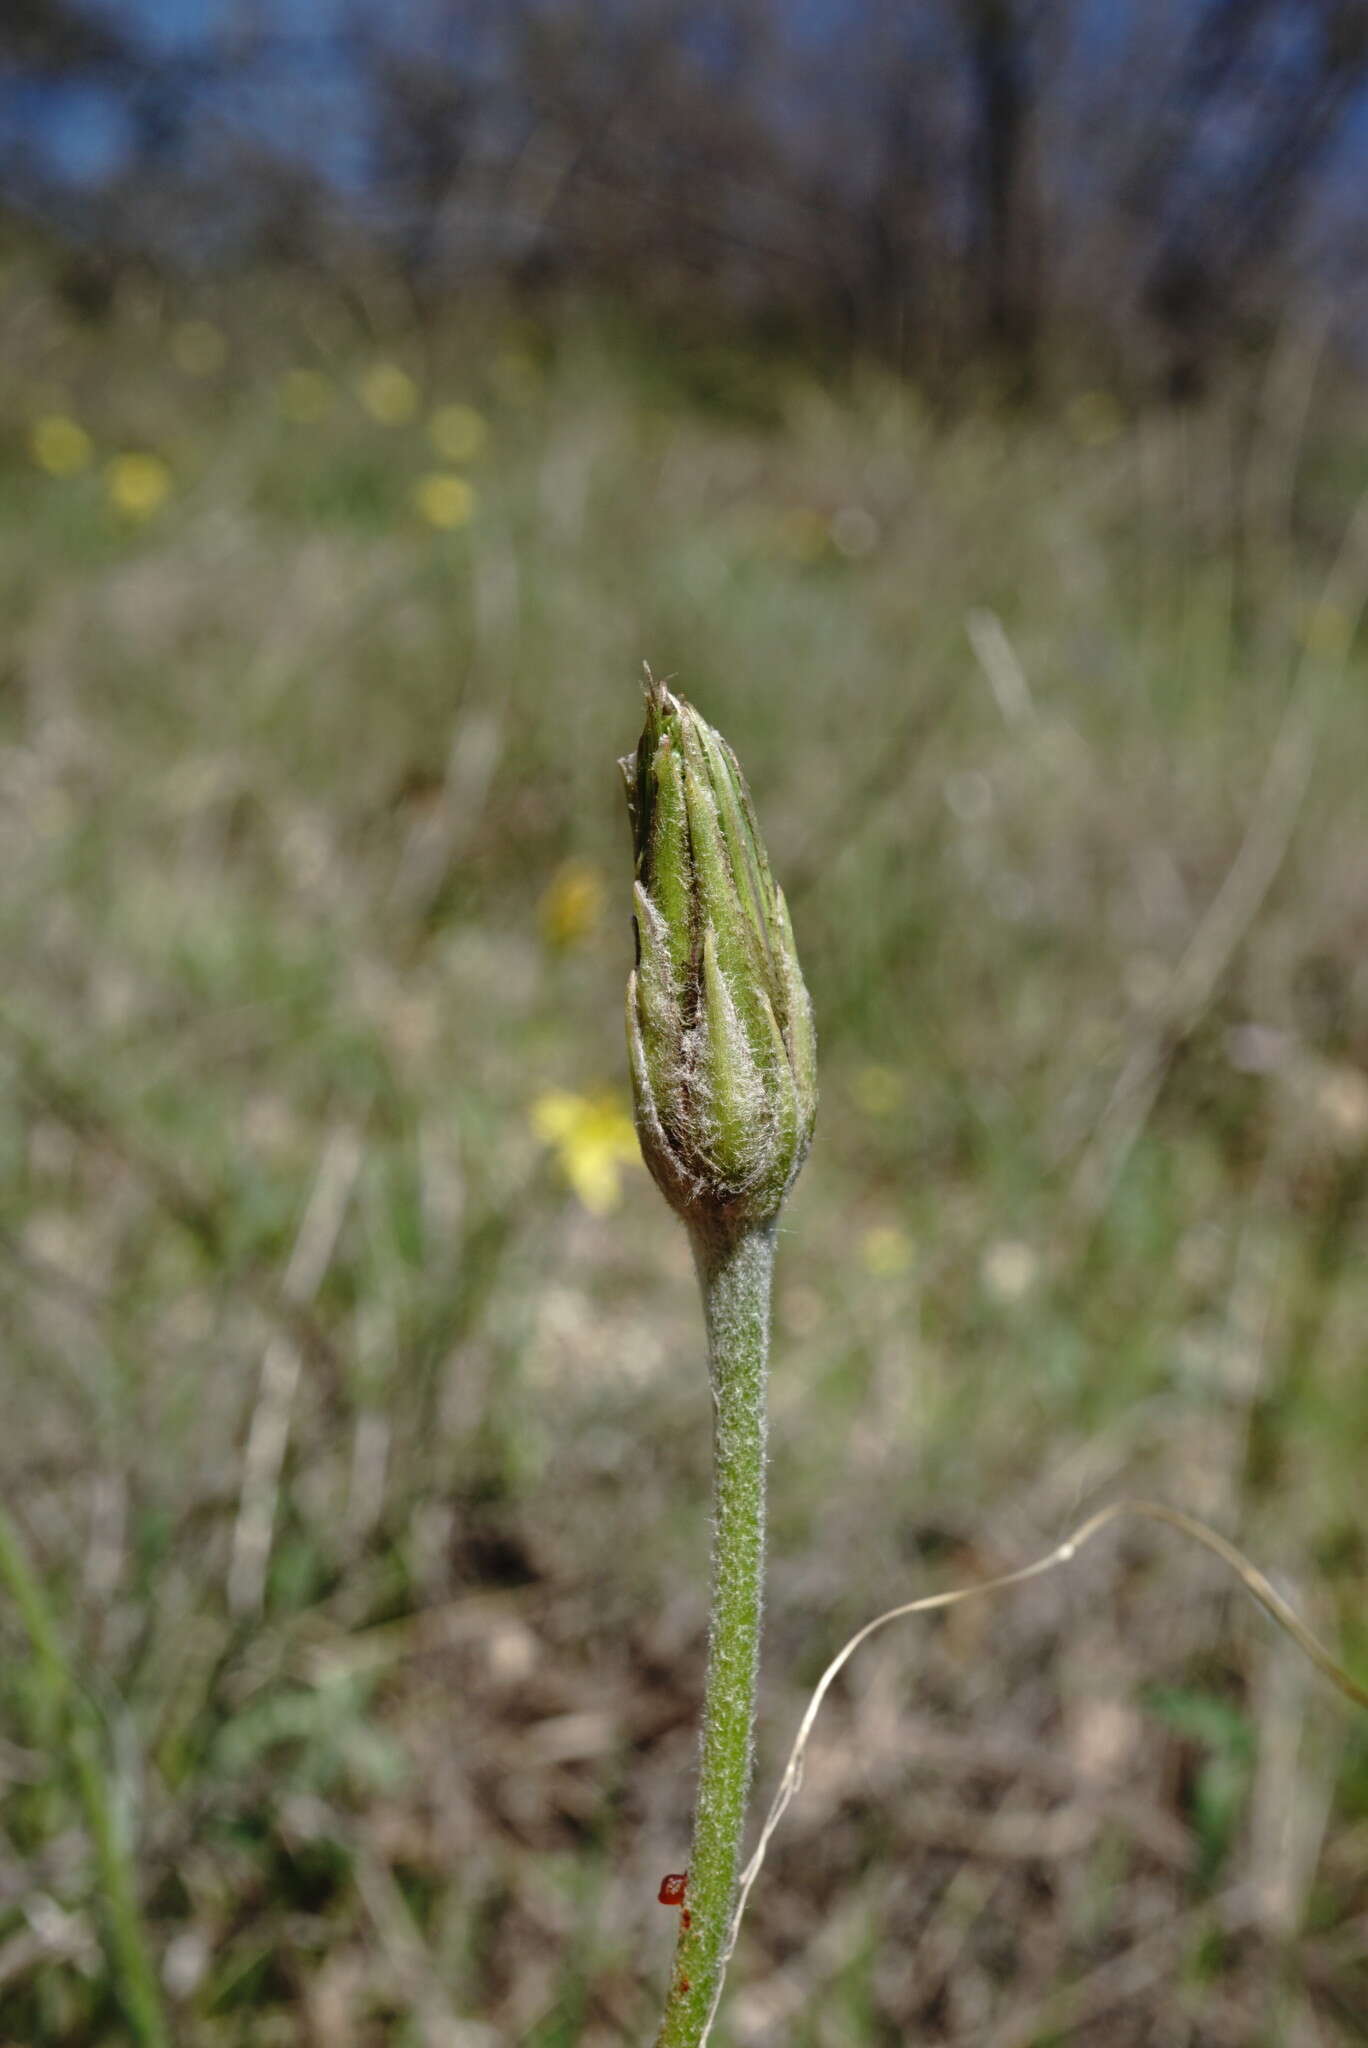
point(966, 405)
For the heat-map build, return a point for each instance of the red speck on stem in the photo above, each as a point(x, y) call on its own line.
point(671, 1891)
point(686, 1919)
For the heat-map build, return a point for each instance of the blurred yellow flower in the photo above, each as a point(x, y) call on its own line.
point(58, 445)
point(305, 397)
point(389, 394)
point(457, 432)
point(198, 348)
point(886, 1250)
point(137, 484)
point(443, 499)
point(571, 903)
point(593, 1138)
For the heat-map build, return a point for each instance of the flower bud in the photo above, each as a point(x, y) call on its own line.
point(719, 1025)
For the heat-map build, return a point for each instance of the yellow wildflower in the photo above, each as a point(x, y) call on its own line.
point(444, 500)
point(571, 903)
point(593, 1138)
point(389, 394)
point(198, 348)
point(457, 432)
point(137, 484)
point(305, 397)
point(58, 445)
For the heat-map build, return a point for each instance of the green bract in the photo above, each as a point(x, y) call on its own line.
point(719, 1025)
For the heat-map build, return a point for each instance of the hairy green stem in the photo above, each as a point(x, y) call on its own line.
point(735, 1271)
point(67, 1714)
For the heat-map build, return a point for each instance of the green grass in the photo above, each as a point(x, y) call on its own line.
point(289, 783)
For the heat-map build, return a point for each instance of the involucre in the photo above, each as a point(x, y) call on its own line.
point(719, 1024)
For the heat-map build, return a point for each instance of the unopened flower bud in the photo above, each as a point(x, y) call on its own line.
point(719, 1025)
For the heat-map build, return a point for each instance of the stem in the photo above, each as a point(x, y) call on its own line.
point(65, 1708)
point(735, 1273)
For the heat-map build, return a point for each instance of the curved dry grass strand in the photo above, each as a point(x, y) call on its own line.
point(1248, 1574)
